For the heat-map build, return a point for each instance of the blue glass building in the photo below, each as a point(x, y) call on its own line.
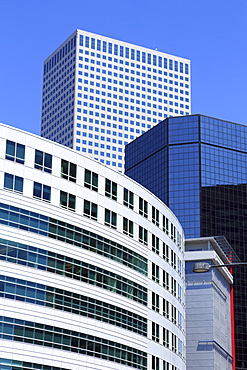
point(198, 166)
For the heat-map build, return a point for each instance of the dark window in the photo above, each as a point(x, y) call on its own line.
point(128, 200)
point(43, 161)
point(91, 180)
point(67, 200)
point(90, 210)
point(15, 152)
point(110, 189)
point(13, 182)
point(42, 191)
point(110, 218)
point(128, 227)
point(68, 170)
point(143, 207)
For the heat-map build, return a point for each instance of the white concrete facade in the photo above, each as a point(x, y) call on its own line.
point(92, 268)
point(100, 93)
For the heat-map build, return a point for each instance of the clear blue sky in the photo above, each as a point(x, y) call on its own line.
point(212, 33)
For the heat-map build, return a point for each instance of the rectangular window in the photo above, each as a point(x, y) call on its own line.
point(155, 363)
point(143, 235)
point(128, 227)
point(174, 343)
point(128, 200)
point(173, 259)
point(174, 286)
point(155, 273)
point(155, 302)
point(15, 152)
point(165, 225)
point(155, 332)
point(110, 219)
point(171, 64)
point(155, 216)
point(155, 244)
point(67, 200)
point(41, 191)
point(166, 308)
point(143, 207)
point(166, 335)
point(91, 180)
point(43, 161)
point(90, 210)
point(68, 170)
point(174, 315)
point(166, 252)
point(12, 182)
point(165, 280)
point(110, 189)
point(173, 233)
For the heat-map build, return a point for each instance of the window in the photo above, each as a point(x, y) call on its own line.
point(155, 216)
point(91, 180)
point(155, 363)
point(68, 170)
point(166, 252)
point(128, 200)
point(90, 210)
point(155, 302)
point(127, 227)
point(174, 315)
point(155, 273)
point(174, 286)
point(165, 225)
point(67, 200)
point(166, 337)
point(110, 189)
point(166, 308)
point(143, 207)
point(143, 235)
point(13, 182)
point(110, 219)
point(155, 332)
point(155, 244)
point(165, 280)
point(43, 161)
point(15, 152)
point(41, 191)
point(173, 233)
point(174, 343)
point(173, 259)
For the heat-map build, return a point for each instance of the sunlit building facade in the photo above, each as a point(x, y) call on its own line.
point(100, 93)
point(92, 264)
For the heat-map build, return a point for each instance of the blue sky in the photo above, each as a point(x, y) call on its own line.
point(211, 33)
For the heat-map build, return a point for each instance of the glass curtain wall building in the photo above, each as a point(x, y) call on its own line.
point(197, 165)
point(99, 94)
point(92, 264)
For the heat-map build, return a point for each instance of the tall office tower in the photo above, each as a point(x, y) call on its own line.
point(197, 166)
point(100, 93)
point(91, 276)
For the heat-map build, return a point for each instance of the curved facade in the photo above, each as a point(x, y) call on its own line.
point(92, 264)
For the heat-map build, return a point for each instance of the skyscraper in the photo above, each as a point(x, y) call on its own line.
point(89, 278)
point(99, 94)
point(197, 165)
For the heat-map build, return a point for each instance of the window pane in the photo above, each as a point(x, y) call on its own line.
point(46, 192)
point(71, 201)
point(39, 157)
point(18, 184)
point(10, 149)
point(64, 167)
point(8, 181)
point(37, 189)
point(48, 161)
point(63, 198)
point(20, 153)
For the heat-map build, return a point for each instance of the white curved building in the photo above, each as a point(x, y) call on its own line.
point(92, 264)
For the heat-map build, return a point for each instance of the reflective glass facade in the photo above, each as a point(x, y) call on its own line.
point(198, 166)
